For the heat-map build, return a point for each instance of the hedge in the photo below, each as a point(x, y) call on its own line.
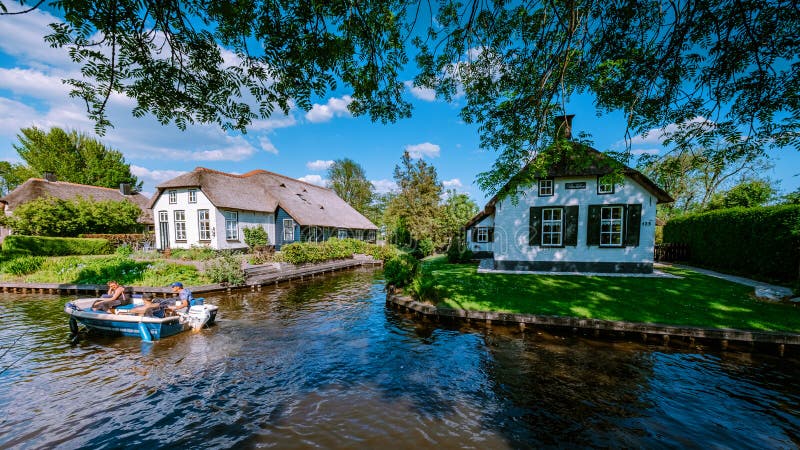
point(311, 252)
point(55, 246)
point(761, 241)
point(135, 240)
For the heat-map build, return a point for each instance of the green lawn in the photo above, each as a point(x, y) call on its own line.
point(695, 299)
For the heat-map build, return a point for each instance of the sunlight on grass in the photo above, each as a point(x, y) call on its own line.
point(728, 308)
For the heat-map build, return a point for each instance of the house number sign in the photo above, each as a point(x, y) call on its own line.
point(578, 185)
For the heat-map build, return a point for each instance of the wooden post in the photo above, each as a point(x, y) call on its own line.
point(781, 349)
point(644, 337)
point(522, 327)
point(724, 344)
point(666, 340)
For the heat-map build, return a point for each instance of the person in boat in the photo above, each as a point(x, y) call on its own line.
point(115, 297)
point(182, 302)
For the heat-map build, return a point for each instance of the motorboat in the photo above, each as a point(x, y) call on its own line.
point(124, 321)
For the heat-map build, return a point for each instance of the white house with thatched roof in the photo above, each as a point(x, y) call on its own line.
point(586, 214)
point(35, 188)
point(207, 207)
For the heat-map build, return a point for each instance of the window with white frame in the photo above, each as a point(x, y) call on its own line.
point(342, 233)
point(552, 226)
point(545, 187)
point(288, 230)
point(180, 225)
point(483, 234)
point(605, 185)
point(204, 224)
point(231, 225)
point(192, 195)
point(173, 197)
point(611, 226)
point(163, 216)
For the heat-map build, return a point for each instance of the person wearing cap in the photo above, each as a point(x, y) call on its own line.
point(184, 297)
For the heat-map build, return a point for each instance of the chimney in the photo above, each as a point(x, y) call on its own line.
point(50, 176)
point(564, 126)
point(125, 188)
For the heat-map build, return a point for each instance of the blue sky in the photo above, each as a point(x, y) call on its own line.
point(300, 144)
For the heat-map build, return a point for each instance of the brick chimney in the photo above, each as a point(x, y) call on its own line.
point(125, 188)
point(564, 126)
point(50, 176)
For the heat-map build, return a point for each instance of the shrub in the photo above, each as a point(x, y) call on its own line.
point(135, 241)
point(49, 216)
point(124, 250)
point(255, 237)
point(458, 252)
point(23, 265)
point(195, 253)
point(53, 246)
point(425, 288)
point(401, 270)
point(425, 247)
point(316, 252)
point(760, 241)
point(226, 269)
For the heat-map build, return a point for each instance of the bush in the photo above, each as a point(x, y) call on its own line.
point(124, 250)
point(23, 265)
point(49, 216)
point(53, 246)
point(226, 269)
point(195, 253)
point(255, 237)
point(401, 270)
point(135, 241)
point(758, 241)
point(458, 252)
point(424, 288)
point(332, 249)
point(425, 247)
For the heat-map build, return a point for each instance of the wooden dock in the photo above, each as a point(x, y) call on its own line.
point(256, 277)
point(597, 328)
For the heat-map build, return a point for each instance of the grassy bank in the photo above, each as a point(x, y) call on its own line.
point(694, 300)
point(100, 269)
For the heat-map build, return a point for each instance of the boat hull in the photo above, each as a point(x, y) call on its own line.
point(128, 325)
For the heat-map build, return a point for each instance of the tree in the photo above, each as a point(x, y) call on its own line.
point(415, 208)
point(695, 177)
point(349, 180)
point(792, 198)
point(12, 175)
point(74, 157)
point(456, 211)
point(716, 69)
point(746, 194)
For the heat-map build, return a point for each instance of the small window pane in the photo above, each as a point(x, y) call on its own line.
point(173, 197)
point(231, 225)
point(180, 225)
point(204, 224)
point(288, 230)
point(192, 196)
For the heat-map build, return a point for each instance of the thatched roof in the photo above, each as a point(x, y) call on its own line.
point(263, 191)
point(590, 162)
point(35, 188)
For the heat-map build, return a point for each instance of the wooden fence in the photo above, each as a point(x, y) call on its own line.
point(672, 252)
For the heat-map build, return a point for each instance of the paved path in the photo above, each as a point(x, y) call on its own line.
point(766, 288)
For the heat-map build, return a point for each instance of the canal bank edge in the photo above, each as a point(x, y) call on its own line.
point(253, 283)
point(598, 327)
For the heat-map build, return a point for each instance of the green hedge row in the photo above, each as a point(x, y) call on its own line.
point(312, 252)
point(55, 246)
point(763, 241)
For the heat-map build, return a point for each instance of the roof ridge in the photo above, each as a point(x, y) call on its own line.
point(77, 184)
point(258, 172)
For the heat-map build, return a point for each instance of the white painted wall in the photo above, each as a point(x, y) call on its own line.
point(511, 224)
point(218, 240)
point(481, 246)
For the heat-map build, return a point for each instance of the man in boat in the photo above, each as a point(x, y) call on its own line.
point(115, 297)
point(184, 297)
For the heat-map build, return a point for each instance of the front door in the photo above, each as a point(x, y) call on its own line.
point(163, 230)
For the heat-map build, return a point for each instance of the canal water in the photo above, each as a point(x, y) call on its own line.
point(325, 364)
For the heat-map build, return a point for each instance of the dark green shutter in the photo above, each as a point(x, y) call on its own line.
point(535, 228)
point(633, 222)
point(491, 234)
point(593, 226)
point(475, 234)
point(571, 225)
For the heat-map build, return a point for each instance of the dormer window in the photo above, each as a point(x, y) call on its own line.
point(605, 184)
point(546, 187)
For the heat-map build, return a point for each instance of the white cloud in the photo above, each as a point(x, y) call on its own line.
point(455, 183)
point(383, 186)
point(421, 93)
point(647, 151)
point(336, 107)
point(314, 179)
point(154, 176)
point(23, 38)
point(267, 145)
point(319, 165)
point(426, 149)
point(657, 135)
